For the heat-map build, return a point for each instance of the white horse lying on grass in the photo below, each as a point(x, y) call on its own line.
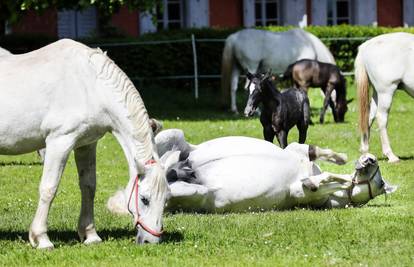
point(66, 96)
point(241, 173)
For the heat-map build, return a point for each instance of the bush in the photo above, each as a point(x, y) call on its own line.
point(176, 59)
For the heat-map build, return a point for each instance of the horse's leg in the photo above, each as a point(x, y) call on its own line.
point(268, 133)
point(302, 132)
point(372, 113)
point(85, 158)
point(57, 152)
point(314, 152)
point(384, 105)
point(234, 83)
point(326, 154)
point(328, 92)
point(313, 182)
point(184, 194)
point(282, 138)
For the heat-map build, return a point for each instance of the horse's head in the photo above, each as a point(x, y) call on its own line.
point(370, 180)
point(255, 87)
point(341, 106)
point(146, 201)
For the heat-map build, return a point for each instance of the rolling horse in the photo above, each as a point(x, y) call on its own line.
point(232, 174)
point(259, 50)
point(397, 51)
point(64, 97)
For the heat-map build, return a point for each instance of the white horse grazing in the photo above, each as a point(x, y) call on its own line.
point(66, 96)
point(241, 173)
point(387, 62)
point(258, 50)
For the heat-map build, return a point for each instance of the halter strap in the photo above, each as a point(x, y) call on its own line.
point(138, 221)
point(367, 181)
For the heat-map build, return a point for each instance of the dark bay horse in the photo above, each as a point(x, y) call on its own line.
point(307, 73)
point(281, 111)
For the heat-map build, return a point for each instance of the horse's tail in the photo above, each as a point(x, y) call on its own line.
point(226, 70)
point(362, 83)
point(322, 51)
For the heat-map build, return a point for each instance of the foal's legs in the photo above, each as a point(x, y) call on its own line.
point(326, 101)
point(85, 158)
point(57, 151)
point(282, 138)
point(268, 133)
point(234, 82)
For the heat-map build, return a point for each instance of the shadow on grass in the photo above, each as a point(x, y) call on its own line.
point(71, 237)
point(20, 163)
point(402, 158)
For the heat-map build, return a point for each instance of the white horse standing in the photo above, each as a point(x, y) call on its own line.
point(64, 97)
point(258, 50)
point(241, 173)
point(386, 61)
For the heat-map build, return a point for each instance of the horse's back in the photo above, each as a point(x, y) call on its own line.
point(396, 49)
point(43, 92)
point(274, 50)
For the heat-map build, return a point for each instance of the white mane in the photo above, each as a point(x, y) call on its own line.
point(128, 95)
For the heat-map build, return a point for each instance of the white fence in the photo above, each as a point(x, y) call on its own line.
point(195, 76)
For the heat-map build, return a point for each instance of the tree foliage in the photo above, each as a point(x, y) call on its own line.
point(12, 10)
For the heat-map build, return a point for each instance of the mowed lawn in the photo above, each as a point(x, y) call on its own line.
point(378, 234)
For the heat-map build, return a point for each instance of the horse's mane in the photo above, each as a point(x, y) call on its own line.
point(128, 95)
point(272, 89)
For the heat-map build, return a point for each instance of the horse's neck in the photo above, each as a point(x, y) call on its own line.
point(271, 96)
point(128, 116)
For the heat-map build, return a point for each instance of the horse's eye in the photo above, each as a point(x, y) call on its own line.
point(145, 201)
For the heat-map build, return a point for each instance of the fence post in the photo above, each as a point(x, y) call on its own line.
point(195, 66)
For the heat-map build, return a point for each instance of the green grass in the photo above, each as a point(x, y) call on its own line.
point(379, 234)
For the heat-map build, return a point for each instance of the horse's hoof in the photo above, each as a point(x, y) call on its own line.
point(393, 159)
point(95, 239)
point(309, 185)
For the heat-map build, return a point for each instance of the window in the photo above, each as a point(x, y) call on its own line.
point(171, 17)
point(339, 12)
point(77, 24)
point(267, 12)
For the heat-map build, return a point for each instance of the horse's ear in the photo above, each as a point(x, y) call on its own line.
point(249, 75)
point(267, 75)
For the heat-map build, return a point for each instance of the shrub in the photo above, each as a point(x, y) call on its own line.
point(147, 60)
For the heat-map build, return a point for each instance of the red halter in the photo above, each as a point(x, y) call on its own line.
point(138, 221)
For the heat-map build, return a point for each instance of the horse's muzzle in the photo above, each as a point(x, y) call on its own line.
point(248, 112)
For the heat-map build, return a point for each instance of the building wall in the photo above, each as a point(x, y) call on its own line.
point(227, 13)
point(408, 10)
point(46, 23)
point(389, 13)
point(294, 12)
point(196, 13)
point(364, 12)
point(127, 21)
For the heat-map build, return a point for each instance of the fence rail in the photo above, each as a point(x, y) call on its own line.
point(192, 40)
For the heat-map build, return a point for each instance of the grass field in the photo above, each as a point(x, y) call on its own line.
point(378, 234)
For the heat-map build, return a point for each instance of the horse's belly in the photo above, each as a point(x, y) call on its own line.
point(249, 182)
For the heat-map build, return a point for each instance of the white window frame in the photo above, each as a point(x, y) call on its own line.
point(165, 20)
point(335, 17)
point(263, 20)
